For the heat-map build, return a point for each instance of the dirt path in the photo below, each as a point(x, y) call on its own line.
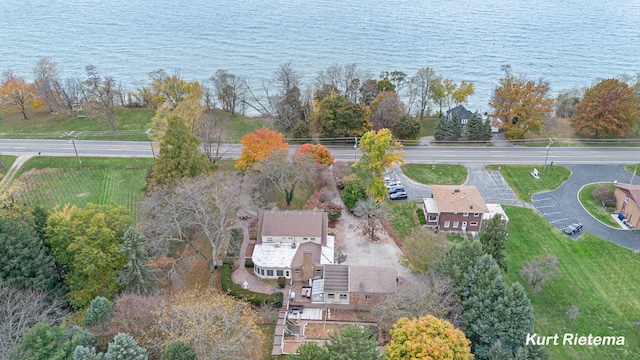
point(6, 180)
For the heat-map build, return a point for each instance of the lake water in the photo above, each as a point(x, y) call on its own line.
point(570, 43)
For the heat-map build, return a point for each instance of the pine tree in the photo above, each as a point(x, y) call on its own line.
point(180, 155)
point(494, 312)
point(441, 129)
point(457, 260)
point(493, 238)
point(454, 131)
point(125, 347)
point(98, 312)
point(137, 275)
point(353, 343)
point(475, 129)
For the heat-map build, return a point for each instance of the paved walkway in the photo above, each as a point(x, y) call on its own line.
point(561, 206)
point(240, 275)
point(6, 180)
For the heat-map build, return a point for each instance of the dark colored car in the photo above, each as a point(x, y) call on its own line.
point(572, 229)
point(400, 195)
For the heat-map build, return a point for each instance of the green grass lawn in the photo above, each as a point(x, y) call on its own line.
point(238, 125)
point(436, 174)
point(428, 126)
point(631, 167)
point(524, 185)
point(598, 277)
point(8, 161)
point(402, 217)
point(594, 207)
point(51, 181)
point(131, 124)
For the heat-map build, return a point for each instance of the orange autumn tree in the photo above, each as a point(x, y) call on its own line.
point(259, 145)
point(521, 104)
point(427, 337)
point(608, 109)
point(17, 93)
point(318, 153)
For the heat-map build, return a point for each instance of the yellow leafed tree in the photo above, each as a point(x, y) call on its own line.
point(212, 323)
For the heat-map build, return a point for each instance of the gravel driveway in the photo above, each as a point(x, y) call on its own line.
point(561, 206)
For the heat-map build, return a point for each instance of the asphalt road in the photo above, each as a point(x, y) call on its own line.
point(414, 154)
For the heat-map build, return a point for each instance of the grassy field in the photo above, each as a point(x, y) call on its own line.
point(8, 161)
point(436, 174)
point(428, 126)
point(594, 207)
point(238, 125)
point(131, 125)
point(524, 185)
point(598, 277)
point(51, 181)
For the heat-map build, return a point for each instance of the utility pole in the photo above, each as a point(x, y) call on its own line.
point(73, 141)
point(545, 159)
point(634, 175)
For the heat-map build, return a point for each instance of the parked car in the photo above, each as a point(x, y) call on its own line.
point(395, 189)
point(392, 183)
point(400, 195)
point(572, 229)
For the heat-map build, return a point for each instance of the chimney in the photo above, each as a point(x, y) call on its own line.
point(456, 190)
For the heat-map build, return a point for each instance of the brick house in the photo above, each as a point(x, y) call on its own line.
point(628, 203)
point(354, 287)
point(455, 208)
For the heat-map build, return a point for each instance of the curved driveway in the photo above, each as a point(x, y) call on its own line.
point(561, 206)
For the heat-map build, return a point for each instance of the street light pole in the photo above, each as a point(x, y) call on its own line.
point(547, 157)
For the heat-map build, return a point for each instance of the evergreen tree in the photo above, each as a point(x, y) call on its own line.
point(43, 341)
point(353, 343)
point(137, 275)
point(178, 350)
point(494, 312)
point(493, 238)
point(180, 155)
point(441, 129)
point(125, 347)
point(455, 130)
point(24, 260)
point(310, 351)
point(457, 260)
point(475, 128)
point(98, 312)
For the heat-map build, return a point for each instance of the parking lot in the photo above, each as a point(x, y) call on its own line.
point(415, 191)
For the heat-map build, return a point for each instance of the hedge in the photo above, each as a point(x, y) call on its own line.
point(239, 293)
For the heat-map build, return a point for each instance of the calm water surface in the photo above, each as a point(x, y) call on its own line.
point(570, 43)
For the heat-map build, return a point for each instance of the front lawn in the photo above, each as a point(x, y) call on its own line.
point(598, 277)
point(594, 206)
point(436, 174)
point(403, 217)
point(8, 161)
point(524, 185)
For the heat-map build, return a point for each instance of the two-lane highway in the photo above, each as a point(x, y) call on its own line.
point(414, 154)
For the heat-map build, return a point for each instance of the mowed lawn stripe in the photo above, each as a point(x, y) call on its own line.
point(597, 276)
point(78, 186)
